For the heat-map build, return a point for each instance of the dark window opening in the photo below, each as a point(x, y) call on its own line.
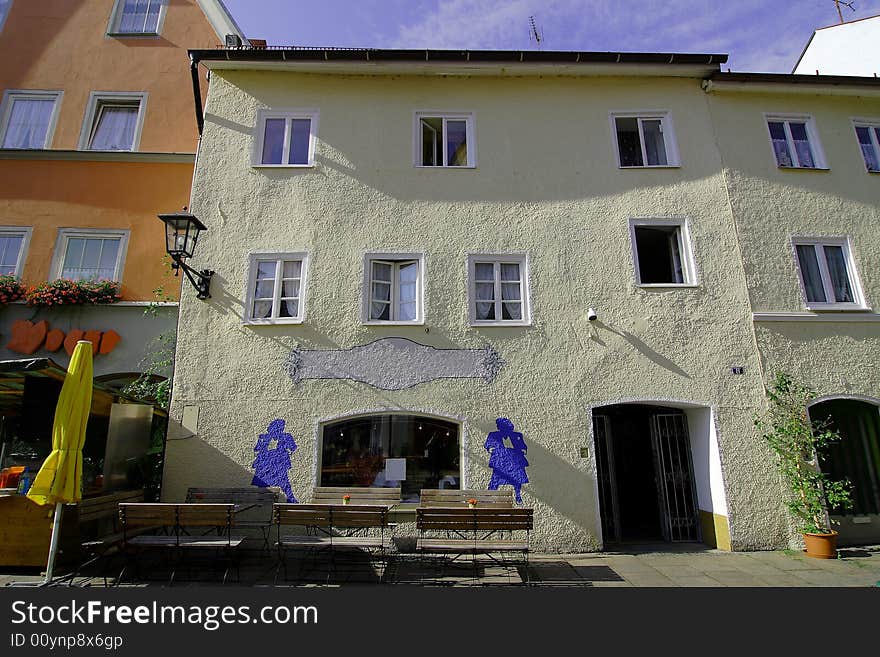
point(658, 249)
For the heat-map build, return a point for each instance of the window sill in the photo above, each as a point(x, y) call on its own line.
point(100, 150)
point(499, 324)
point(838, 307)
point(270, 322)
point(781, 168)
point(667, 286)
point(452, 168)
point(420, 322)
point(650, 166)
point(827, 317)
point(117, 35)
point(284, 166)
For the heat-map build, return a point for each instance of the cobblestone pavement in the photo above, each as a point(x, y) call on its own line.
point(686, 566)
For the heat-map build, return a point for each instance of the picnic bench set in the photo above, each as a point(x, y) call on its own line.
point(339, 522)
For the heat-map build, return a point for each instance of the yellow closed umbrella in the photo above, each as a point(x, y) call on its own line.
point(59, 480)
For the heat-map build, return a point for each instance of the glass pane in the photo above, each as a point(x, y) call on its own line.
point(511, 310)
point(289, 308)
point(290, 288)
point(484, 271)
point(28, 123)
point(485, 291)
point(382, 271)
point(510, 291)
point(406, 291)
point(108, 256)
point(300, 137)
point(381, 292)
point(780, 144)
point(114, 128)
point(509, 272)
point(273, 141)
point(836, 260)
point(456, 143)
point(655, 147)
point(266, 269)
point(430, 154)
point(810, 275)
point(485, 310)
point(262, 309)
point(292, 269)
point(872, 158)
point(265, 289)
point(628, 145)
point(10, 245)
point(802, 144)
point(380, 311)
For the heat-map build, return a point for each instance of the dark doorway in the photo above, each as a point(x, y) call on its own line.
point(646, 489)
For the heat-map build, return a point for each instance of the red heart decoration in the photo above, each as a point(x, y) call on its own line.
point(27, 337)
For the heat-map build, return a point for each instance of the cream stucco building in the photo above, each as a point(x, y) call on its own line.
point(410, 245)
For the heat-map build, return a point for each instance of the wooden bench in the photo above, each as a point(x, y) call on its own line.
point(331, 527)
point(176, 520)
point(254, 505)
point(502, 498)
point(487, 531)
point(359, 495)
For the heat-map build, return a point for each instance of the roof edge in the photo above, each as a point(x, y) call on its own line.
point(220, 19)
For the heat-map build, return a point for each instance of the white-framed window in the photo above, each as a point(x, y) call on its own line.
point(444, 139)
point(85, 254)
point(828, 275)
point(137, 17)
point(276, 288)
point(28, 118)
point(662, 253)
point(14, 242)
point(285, 138)
point(644, 139)
point(394, 285)
point(113, 121)
point(795, 142)
point(4, 12)
point(498, 289)
point(868, 137)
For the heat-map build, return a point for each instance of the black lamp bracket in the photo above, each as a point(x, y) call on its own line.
point(201, 280)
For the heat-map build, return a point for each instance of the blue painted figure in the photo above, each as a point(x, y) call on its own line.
point(507, 458)
point(273, 462)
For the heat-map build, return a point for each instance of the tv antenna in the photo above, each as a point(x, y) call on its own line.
point(837, 4)
point(535, 34)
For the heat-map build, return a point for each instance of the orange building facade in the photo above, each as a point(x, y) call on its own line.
point(97, 137)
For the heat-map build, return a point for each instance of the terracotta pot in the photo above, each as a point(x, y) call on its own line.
point(821, 546)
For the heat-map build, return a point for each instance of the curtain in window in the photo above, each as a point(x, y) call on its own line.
point(872, 161)
point(802, 144)
point(291, 275)
point(780, 144)
point(10, 246)
point(839, 277)
point(484, 288)
point(140, 16)
point(28, 123)
point(655, 147)
point(90, 259)
point(380, 305)
point(511, 297)
point(115, 127)
point(809, 264)
point(264, 291)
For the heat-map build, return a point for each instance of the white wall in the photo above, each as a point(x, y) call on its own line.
point(847, 49)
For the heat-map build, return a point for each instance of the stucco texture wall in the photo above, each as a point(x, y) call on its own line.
point(772, 205)
point(546, 183)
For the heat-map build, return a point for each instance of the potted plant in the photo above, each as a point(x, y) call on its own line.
point(346, 498)
point(799, 445)
point(472, 503)
point(11, 289)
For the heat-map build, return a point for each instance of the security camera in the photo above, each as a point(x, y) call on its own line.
point(591, 315)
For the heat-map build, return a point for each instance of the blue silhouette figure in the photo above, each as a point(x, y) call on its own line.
point(272, 463)
point(508, 463)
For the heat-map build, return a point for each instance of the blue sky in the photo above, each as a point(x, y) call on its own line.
point(759, 35)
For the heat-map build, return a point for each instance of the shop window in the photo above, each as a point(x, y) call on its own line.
point(409, 451)
point(661, 253)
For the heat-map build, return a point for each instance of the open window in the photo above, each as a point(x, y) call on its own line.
point(661, 251)
point(395, 288)
point(444, 140)
point(644, 140)
point(828, 274)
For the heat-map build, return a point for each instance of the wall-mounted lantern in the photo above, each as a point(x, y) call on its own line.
point(181, 234)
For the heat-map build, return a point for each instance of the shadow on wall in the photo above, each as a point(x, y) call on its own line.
point(641, 346)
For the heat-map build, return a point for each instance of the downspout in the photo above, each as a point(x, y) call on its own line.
point(197, 93)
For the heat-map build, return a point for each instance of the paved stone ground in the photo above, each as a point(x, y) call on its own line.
point(665, 566)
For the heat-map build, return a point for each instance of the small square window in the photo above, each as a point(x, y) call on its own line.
point(644, 140)
point(27, 118)
point(827, 273)
point(795, 142)
point(88, 255)
point(276, 287)
point(13, 247)
point(868, 136)
point(113, 121)
point(394, 284)
point(444, 140)
point(662, 253)
point(137, 17)
point(286, 138)
point(498, 290)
